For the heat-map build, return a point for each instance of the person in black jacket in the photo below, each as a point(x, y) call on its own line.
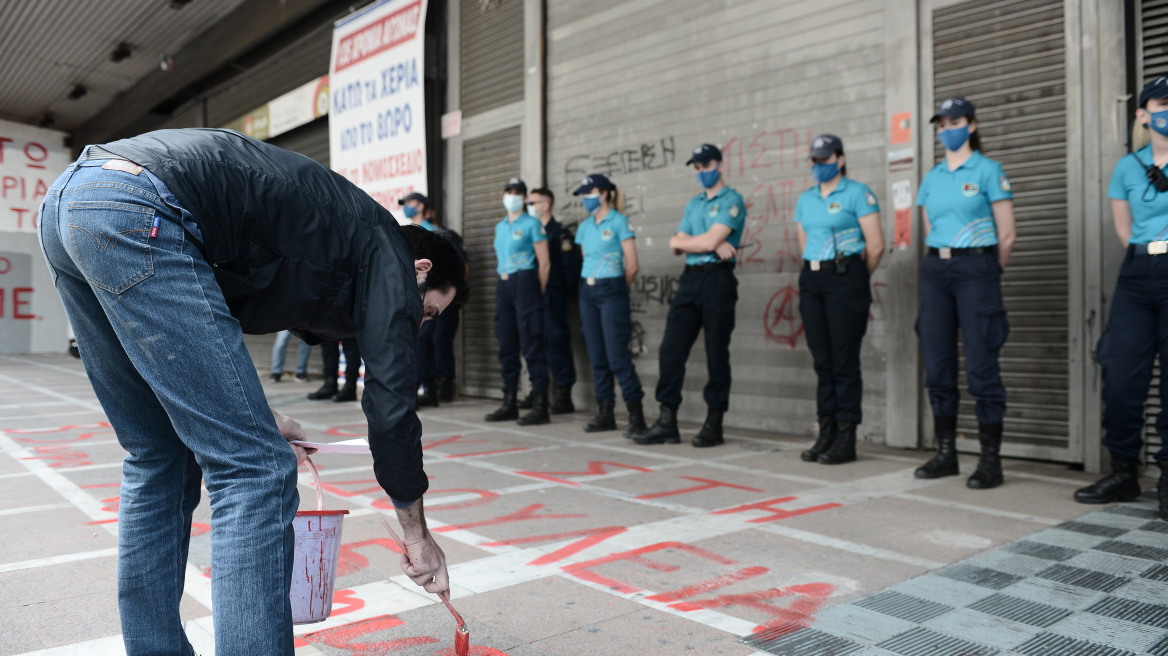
point(165, 248)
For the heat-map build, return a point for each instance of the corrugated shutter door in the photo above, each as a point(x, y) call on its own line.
point(311, 139)
point(1154, 63)
point(1009, 59)
point(488, 162)
point(491, 56)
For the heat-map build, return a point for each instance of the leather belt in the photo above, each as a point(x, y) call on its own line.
point(950, 253)
point(1150, 248)
point(818, 265)
point(711, 266)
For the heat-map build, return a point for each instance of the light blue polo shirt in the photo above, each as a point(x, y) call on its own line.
point(1149, 208)
point(601, 244)
point(427, 225)
point(515, 243)
point(701, 213)
point(960, 203)
point(832, 224)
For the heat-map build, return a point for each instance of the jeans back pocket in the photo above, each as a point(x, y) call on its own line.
point(109, 242)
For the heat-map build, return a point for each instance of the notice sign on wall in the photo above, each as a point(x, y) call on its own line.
point(30, 160)
point(377, 124)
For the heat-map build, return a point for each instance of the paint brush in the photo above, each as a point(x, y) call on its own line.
point(461, 633)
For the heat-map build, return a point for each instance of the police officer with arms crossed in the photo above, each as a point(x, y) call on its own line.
point(610, 265)
point(205, 235)
point(522, 251)
point(565, 271)
point(710, 231)
point(968, 213)
point(1138, 325)
point(839, 232)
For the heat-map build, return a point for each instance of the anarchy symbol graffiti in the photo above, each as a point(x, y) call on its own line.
point(781, 320)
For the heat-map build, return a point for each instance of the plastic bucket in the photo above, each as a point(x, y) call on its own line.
point(314, 563)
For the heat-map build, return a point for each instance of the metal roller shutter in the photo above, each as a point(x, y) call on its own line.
point(491, 58)
point(488, 162)
point(1153, 53)
point(1009, 58)
point(311, 139)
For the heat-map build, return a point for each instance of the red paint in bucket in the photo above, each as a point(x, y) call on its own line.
point(314, 563)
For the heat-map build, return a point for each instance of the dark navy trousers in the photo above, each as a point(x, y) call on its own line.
point(963, 292)
point(330, 355)
point(519, 327)
point(557, 337)
point(834, 306)
point(705, 301)
point(1137, 329)
point(607, 327)
point(435, 357)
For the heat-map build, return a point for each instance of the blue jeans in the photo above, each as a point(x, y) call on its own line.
point(168, 364)
point(605, 322)
point(280, 351)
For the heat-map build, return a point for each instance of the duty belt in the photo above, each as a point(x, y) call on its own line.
point(817, 265)
point(1150, 248)
point(950, 253)
point(711, 266)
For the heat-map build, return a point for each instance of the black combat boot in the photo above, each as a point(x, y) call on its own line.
point(945, 462)
point(562, 401)
point(445, 390)
point(605, 420)
point(636, 419)
point(989, 466)
point(429, 396)
point(347, 393)
point(711, 432)
point(664, 431)
point(539, 411)
point(525, 402)
point(1162, 489)
point(843, 449)
point(1122, 484)
point(828, 430)
point(509, 410)
point(327, 391)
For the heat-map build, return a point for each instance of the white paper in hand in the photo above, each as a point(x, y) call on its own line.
point(352, 447)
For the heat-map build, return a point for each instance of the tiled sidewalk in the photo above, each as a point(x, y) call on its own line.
point(559, 542)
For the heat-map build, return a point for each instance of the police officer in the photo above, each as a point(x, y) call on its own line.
point(839, 232)
point(968, 213)
point(524, 267)
point(710, 231)
point(562, 281)
point(330, 355)
point(1137, 327)
point(435, 362)
point(610, 265)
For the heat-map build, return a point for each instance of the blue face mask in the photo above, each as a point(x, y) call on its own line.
point(1159, 122)
point(591, 203)
point(954, 138)
point(410, 211)
point(708, 178)
point(825, 171)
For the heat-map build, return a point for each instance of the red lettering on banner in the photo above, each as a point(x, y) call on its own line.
point(775, 513)
point(524, 514)
point(393, 30)
point(595, 468)
point(709, 485)
point(594, 536)
point(350, 561)
point(347, 637)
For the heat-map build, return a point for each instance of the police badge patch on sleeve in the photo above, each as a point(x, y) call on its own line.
point(733, 211)
point(871, 198)
point(1004, 183)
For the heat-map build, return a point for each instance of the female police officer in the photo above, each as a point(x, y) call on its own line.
point(968, 215)
point(610, 265)
point(521, 248)
point(1138, 324)
point(839, 232)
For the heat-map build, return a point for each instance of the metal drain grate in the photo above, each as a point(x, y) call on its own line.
point(1133, 550)
point(1157, 573)
point(905, 607)
point(1021, 610)
point(1160, 648)
point(1155, 527)
point(1142, 513)
point(1083, 578)
point(801, 642)
point(1049, 644)
point(923, 642)
point(1132, 611)
point(1092, 529)
point(1043, 551)
point(986, 578)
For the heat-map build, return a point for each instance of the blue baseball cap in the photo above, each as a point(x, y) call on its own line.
point(826, 145)
point(592, 182)
point(704, 154)
point(1157, 88)
point(421, 198)
point(954, 108)
point(516, 185)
